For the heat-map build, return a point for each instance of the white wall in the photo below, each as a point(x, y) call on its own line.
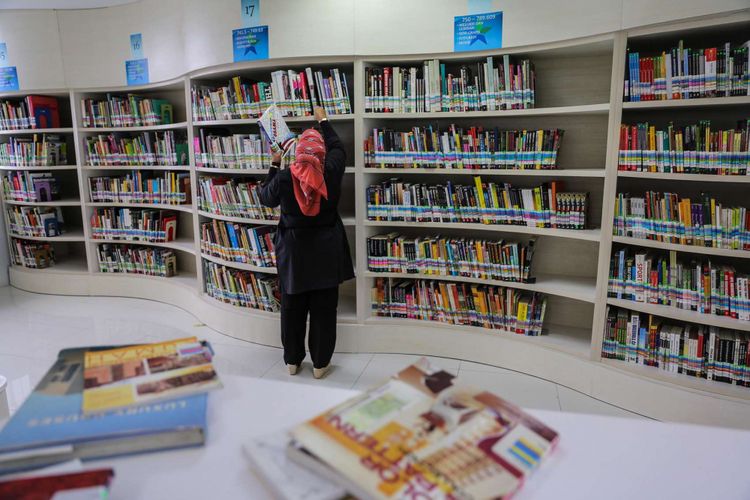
point(88, 48)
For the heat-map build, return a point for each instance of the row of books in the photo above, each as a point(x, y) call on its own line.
point(171, 188)
point(127, 259)
point(30, 112)
point(233, 151)
point(28, 151)
point(233, 198)
point(242, 288)
point(691, 149)
point(695, 285)
point(685, 73)
point(486, 86)
point(693, 350)
point(486, 203)
point(667, 217)
point(294, 93)
point(30, 186)
point(133, 224)
point(469, 304)
point(146, 148)
point(34, 221)
point(438, 255)
point(459, 148)
point(239, 242)
point(125, 111)
point(33, 254)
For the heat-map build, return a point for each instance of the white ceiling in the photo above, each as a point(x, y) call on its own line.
point(61, 4)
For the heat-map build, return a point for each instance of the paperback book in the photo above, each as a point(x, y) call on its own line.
point(32, 254)
point(171, 188)
point(36, 150)
point(422, 435)
point(147, 373)
point(133, 224)
point(231, 197)
point(242, 288)
point(131, 259)
point(237, 242)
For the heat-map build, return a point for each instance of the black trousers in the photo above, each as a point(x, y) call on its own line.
point(321, 305)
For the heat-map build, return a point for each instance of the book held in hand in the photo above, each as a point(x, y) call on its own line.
point(140, 374)
point(420, 435)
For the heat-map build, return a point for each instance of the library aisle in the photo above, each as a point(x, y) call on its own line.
point(37, 326)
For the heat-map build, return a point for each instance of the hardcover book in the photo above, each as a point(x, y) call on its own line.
point(419, 435)
point(50, 427)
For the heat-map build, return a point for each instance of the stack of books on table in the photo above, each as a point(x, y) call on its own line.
point(419, 435)
point(97, 402)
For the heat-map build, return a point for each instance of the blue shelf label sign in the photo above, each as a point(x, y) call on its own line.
point(137, 71)
point(3, 54)
point(250, 12)
point(8, 79)
point(136, 46)
point(250, 44)
point(478, 32)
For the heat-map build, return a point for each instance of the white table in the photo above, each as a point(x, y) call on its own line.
point(597, 457)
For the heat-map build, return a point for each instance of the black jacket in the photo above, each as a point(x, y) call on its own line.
point(312, 253)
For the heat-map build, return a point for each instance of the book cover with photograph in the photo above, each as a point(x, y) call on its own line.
point(420, 436)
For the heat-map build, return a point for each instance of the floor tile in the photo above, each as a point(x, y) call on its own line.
point(522, 390)
point(480, 367)
point(346, 369)
point(575, 402)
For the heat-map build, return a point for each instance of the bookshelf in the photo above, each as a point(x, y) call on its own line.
point(579, 90)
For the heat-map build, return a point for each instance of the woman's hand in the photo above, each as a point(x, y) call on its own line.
point(320, 114)
point(276, 159)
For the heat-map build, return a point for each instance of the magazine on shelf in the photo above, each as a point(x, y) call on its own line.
point(148, 373)
point(419, 435)
point(275, 129)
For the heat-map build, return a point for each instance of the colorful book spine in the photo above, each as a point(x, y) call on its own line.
point(30, 186)
point(692, 149)
point(133, 224)
point(241, 288)
point(482, 86)
point(237, 151)
point(458, 148)
point(695, 285)
point(686, 73)
point(34, 221)
point(466, 304)
point(436, 255)
point(125, 111)
point(127, 259)
point(689, 349)
point(666, 217)
point(30, 112)
point(172, 188)
point(233, 198)
point(37, 150)
point(31, 254)
point(544, 206)
point(146, 148)
point(239, 242)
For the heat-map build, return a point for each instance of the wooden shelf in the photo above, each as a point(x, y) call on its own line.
point(73, 235)
point(718, 252)
point(184, 279)
point(145, 128)
point(39, 168)
point(583, 234)
point(738, 179)
point(572, 287)
point(239, 265)
point(688, 103)
point(584, 109)
point(241, 220)
point(254, 121)
point(560, 172)
point(570, 340)
point(101, 168)
point(181, 244)
point(32, 131)
point(656, 374)
point(681, 314)
point(65, 202)
point(182, 208)
point(66, 265)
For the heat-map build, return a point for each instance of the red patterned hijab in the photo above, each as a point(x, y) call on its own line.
point(307, 172)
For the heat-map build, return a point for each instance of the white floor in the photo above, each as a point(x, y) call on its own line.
point(34, 327)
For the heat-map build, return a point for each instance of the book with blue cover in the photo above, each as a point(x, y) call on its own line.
point(50, 426)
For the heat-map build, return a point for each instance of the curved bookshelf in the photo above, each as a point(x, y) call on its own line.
point(681, 314)
point(239, 265)
point(588, 104)
point(76, 235)
point(572, 287)
point(181, 244)
point(65, 202)
point(739, 179)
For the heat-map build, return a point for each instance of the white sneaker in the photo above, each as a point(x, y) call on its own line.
point(321, 372)
point(293, 369)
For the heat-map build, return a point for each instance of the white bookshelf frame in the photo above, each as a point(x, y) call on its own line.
point(568, 355)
